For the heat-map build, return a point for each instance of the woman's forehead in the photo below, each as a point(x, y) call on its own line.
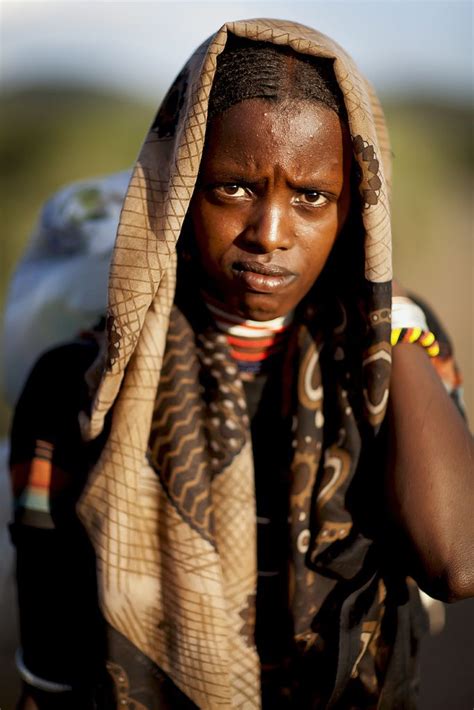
point(297, 132)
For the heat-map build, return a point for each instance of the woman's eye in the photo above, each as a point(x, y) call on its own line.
point(231, 190)
point(312, 199)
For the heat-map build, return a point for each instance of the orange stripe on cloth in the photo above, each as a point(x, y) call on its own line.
point(250, 343)
point(41, 472)
point(36, 473)
point(251, 357)
point(39, 475)
point(32, 485)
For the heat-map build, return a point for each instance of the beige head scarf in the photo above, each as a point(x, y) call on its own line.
point(178, 584)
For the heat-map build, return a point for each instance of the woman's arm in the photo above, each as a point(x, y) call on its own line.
point(60, 624)
point(430, 482)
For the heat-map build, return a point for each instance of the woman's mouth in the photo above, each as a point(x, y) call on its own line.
point(262, 278)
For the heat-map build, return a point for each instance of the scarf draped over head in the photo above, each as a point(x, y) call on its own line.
point(170, 504)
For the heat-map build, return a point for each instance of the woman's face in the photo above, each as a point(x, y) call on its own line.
point(272, 195)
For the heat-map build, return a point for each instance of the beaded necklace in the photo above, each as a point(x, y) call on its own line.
point(253, 344)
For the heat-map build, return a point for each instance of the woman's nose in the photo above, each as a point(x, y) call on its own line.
point(269, 228)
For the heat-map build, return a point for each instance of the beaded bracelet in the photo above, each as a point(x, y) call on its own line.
point(409, 326)
point(425, 338)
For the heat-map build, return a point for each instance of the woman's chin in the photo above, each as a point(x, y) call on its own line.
point(250, 305)
point(258, 307)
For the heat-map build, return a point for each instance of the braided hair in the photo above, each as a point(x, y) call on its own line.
point(258, 70)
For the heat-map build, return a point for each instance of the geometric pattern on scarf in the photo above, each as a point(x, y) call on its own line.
point(199, 422)
point(170, 505)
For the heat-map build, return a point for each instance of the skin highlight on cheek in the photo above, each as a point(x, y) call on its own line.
point(272, 196)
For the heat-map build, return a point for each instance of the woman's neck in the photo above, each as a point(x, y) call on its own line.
point(253, 345)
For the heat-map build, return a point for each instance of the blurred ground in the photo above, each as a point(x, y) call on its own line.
point(52, 136)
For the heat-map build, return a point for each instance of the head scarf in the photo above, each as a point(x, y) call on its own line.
point(170, 504)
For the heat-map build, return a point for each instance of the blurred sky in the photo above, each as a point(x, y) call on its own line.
point(404, 46)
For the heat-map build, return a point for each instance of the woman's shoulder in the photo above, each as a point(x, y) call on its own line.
point(48, 459)
point(54, 393)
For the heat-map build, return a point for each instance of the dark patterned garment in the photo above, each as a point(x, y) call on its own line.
point(64, 637)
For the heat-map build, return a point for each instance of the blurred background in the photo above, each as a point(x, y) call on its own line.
point(80, 83)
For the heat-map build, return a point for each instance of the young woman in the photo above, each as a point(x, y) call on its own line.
point(258, 474)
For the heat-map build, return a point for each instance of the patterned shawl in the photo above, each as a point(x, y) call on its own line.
point(170, 504)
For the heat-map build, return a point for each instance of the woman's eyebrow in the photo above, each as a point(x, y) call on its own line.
point(316, 182)
point(229, 175)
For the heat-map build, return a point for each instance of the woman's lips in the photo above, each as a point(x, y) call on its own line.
point(262, 278)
